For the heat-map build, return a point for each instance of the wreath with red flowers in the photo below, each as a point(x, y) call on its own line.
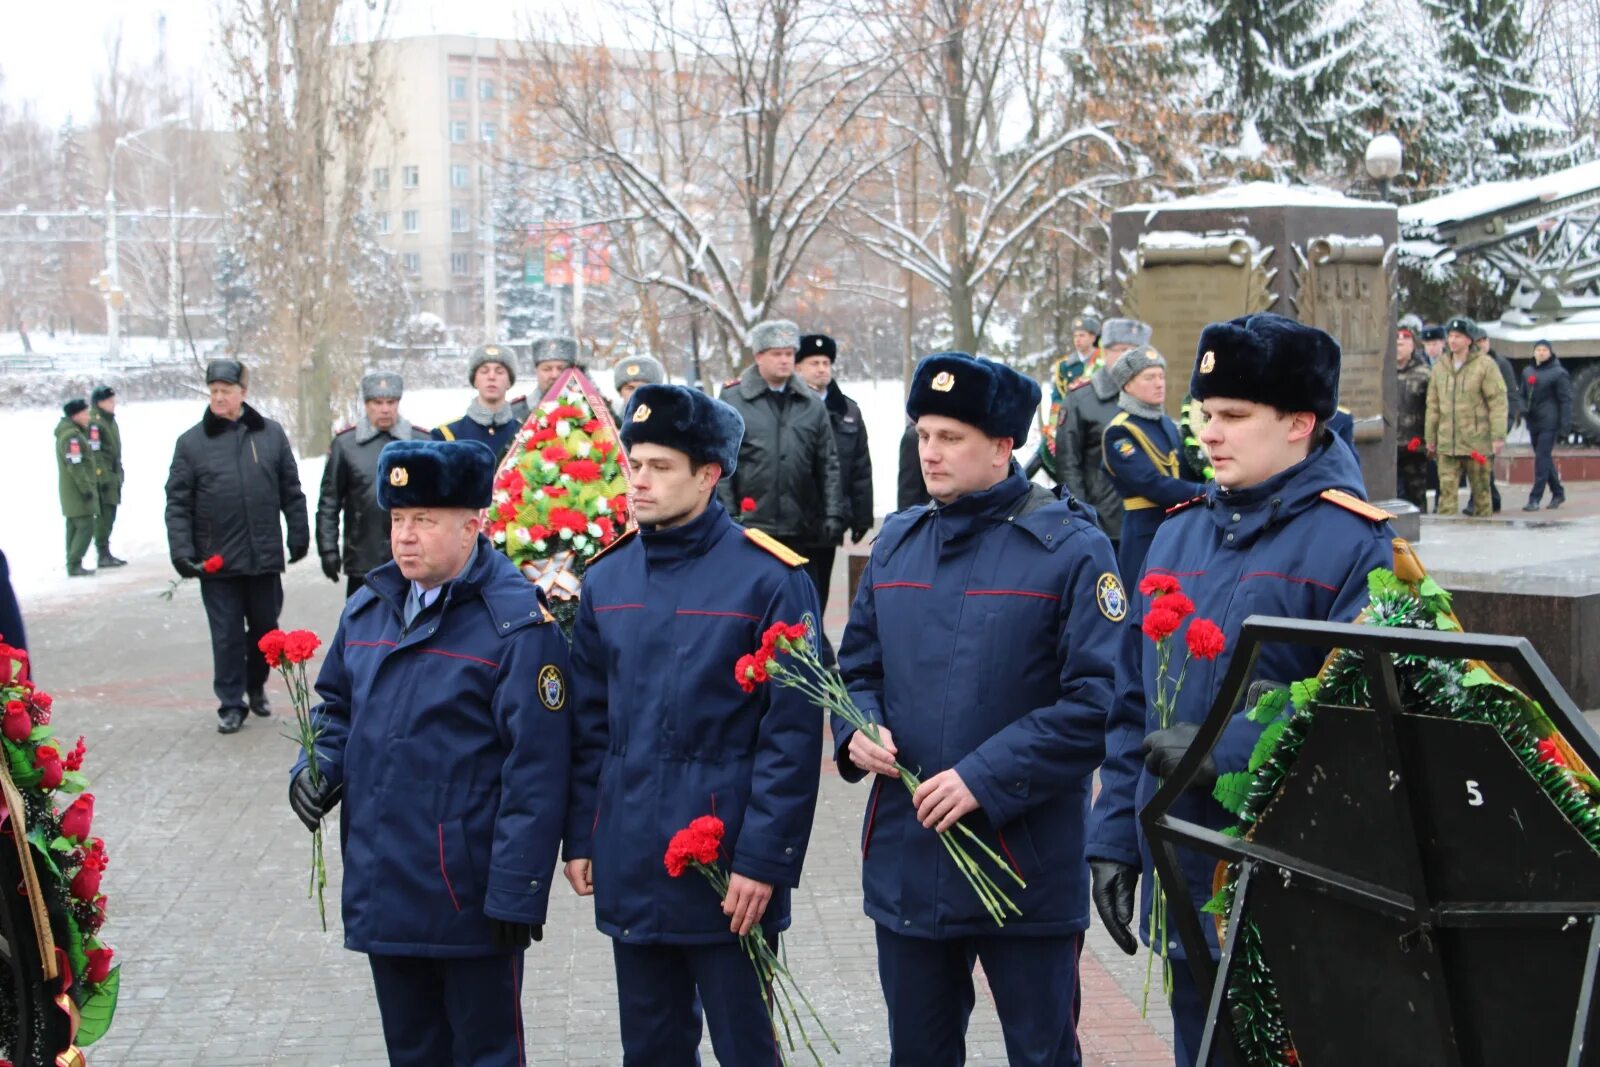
point(58, 985)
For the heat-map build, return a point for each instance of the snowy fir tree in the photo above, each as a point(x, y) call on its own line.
point(1489, 73)
point(526, 305)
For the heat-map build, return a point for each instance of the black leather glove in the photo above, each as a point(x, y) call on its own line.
point(330, 567)
point(832, 531)
point(187, 568)
point(298, 554)
point(1165, 748)
point(513, 935)
point(311, 802)
point(859, 533)
point(1112, 889)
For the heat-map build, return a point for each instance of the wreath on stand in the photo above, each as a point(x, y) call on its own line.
point(1465, 690)
point(58, 982)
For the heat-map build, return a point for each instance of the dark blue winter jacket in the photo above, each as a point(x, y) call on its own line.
point(450, 739)
point(663, 734)
point(1144, 459)
point(1279, 549)
point(984, 636)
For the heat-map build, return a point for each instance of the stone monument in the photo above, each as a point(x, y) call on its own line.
point(1311, 254)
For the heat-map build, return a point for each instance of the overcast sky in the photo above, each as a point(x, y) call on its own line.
point(51, 50)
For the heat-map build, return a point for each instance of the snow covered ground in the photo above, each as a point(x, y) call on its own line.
point(32, 534)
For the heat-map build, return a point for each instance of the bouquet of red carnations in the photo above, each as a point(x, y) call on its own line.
point(289, 652)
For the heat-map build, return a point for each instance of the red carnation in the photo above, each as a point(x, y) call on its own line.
point(212, 565)
point(506, 511)
point(78, 818)
point(18, 723)
point(699, 842)
point(1414, 445)
point(1532, 380)
point(1205, 639)
point(538, 532)
point(555, 492)
point(99, 965)
point(591, 426)
point(608, 532)
point(743, 671)
point(568, 519)
point(1160, 624)
point(1154, 584)
point(748, 504)
point(1478, 457)
point(581, 470)
point(300, 645)
point(48, 760)
point(604, 446)
point(74, 760)
point(566, 411)
point(271, 645)
point(799, 632)
point(711, 826)
point(541, 435)
point(1550, 751)
point(555, 454)
point(1177, 602)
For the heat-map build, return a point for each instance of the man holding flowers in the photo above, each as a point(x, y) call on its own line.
point(443, 727)
point(664, 734)
point(1283, 531)
point(982, 641)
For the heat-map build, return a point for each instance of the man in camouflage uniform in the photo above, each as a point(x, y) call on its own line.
point(1466, 418)
point(78, 469)
point(106, 438)
point(1411, 418)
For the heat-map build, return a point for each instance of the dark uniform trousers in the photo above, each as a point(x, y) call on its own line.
point(240, 610)
point(103, 524)
point(1544, 468)
point(928, 986)
point(439, 1012)
point(661, 1011)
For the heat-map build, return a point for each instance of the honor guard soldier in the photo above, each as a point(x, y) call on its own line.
point(78, 475)
point(105, 433)
point(1084, 417)
point(490, 418)
point(983, 639)
point(551, 356)
point(664, 734)
point(348, 489)
point(1143, 452)
point(445, 729)
point(1283, 531)
point(632, 372)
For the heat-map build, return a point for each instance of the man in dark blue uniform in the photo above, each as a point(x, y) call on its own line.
point(982, 638)
point(490, 418)
point(1143, 452)
point(1283, 531)
point(664, 734)
point(446, 732)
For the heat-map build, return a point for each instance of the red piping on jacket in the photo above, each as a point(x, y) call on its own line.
point(901, 585)
point(1009, 857)
point(618, 607)
point(369, 644)
point(872, 818)
point(1289, 578)
point(459, 655)
point(720, 614)
point(448, 887)
point(1012, 592)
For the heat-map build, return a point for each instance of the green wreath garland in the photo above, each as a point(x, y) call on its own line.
point(1448, 688)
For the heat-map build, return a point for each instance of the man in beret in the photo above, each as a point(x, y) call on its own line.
point(551, 356)
point(1084, 418)
point(105, 436)
point(232, 475)
point(78, 473)
point(632, 372)
point(348, 489)
point(1466, 419)
point(983, 640)
point(814, 366)
point(787, 484)
point(1284, 531)
point(656, 748)
point(490, 418)
point(445, 726)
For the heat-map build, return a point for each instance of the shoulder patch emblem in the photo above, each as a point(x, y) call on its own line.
point(552, 687)
point(1349, 502)
point(771, 544)
point(1110, 598)
point(1174, 509)
point(1125, 447)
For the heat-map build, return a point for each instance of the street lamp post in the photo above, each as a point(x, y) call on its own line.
point(1384, 154)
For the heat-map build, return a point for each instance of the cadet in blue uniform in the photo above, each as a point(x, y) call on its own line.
point(983, 638)
point(1142, 450)
point(1283, 531)
point(490, 418)
point(446, 731)
point(663, 734)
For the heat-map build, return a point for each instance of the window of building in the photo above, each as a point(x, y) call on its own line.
point(412, 221)
point(383, 222)
point(380, 177)
point(458, 131)
point(411, 263)
point(460, 175)
point(460, 220)
point(460, 264)
point(485, 89)
point(486, 131)
point(458, 87)
point(411, 177)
